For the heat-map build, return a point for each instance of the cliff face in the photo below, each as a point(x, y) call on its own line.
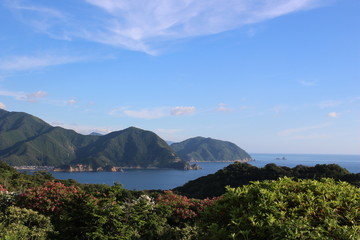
point(27, 140)
point(86, 168)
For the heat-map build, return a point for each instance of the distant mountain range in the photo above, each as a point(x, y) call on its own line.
point(200, 149)
point(26, 140)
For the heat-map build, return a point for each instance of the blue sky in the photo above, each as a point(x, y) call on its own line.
point(275, 76)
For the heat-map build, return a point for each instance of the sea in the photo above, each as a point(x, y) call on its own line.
point(165, 179)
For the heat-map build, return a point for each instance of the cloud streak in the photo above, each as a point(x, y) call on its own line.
point(20, 63)
point(291, 131)
point(153, 113)
point(22, 96)
point(223, 108)
point(179, 111)
point(142, 25)
point(303, 132)
point(333, 114)
point(84, 129)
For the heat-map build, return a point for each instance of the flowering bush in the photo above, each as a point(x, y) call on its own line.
point(6, 198)
point(2, 189)
point(50, 197)
point(182, 207)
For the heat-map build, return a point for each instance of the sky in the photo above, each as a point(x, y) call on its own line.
point(272, 76)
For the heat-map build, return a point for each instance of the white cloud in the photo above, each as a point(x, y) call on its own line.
point(333, 114)
point(19, 63)
point(307, 83)
point(22, 96)
point(178, 111)
point(329, 103)
point(2, 105)
point(146, 113)
point(310, 136)
point(71, 101)
point(278, 109)
point(293, 131)
point(223, 108)
point(244, 107)
point(84, 129)
point(142, 25)
point(152, 113)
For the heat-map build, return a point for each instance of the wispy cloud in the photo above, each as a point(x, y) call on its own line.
point(72, 101)
point(84, 129)
point(19, 63)
point(141, 25)
point(42, 18)
point(278, 109)
point(310, 136)
point(178, 111)
point(223, 108)
point(146, 113)
point(22, 96)
point(330, 103)
point(152, 113)
point(2, 105)
point(304, 132)
point(307, 83)
point(333, 114)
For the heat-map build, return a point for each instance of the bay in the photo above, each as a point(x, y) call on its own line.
point(142, 179)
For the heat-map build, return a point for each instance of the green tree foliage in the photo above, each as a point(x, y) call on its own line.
point(13, 180)
point(285, 209)
point(20, 223)
point(239, 174)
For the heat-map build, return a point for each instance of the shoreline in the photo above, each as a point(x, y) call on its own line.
point(220, 161)
point(74, 169)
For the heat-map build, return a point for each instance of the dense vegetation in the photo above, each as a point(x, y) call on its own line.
point(208, 149)
point(27, 140)
point(40, 207)
point(239, 174)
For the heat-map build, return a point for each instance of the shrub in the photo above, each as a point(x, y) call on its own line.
point(182, 208)
point(285, 209)
point(6, 198)
point(20, 223)
point(50, 197)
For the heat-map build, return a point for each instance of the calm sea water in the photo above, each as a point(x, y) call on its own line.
point(137, 179)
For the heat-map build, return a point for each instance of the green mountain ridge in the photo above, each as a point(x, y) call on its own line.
point(27, 140)
point(207, 149)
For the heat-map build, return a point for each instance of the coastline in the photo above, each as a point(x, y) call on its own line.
point(224, 161)
point(85, 168)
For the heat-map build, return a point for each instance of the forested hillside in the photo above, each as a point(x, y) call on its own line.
point(27, 140)
point(208, 149)
point(239, 174)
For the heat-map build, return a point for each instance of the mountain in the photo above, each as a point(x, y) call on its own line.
point(131, 147)
point(28, 140)
point(95, 134)
point(208, 149)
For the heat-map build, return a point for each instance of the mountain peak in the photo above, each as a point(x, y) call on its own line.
point(208, 149)
point(27, 140)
